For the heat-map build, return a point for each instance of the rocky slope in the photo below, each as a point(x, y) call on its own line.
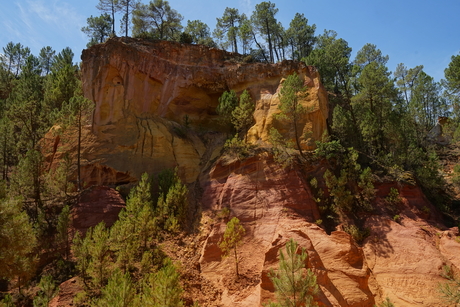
point(143, 91)
point(402, 261)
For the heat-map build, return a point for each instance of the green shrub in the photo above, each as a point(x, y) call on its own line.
point(456, 175)
point(393, 199)
point(237, 147)
point(357, 234)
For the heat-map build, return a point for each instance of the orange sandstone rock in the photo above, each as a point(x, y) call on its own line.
point(145, 91)
point(402, 261)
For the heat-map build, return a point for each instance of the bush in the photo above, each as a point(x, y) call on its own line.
point(357, 234)
point(237, 147)
point(456, 175)
point(393, 199)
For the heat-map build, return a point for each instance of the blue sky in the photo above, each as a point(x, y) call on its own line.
point(411, 32)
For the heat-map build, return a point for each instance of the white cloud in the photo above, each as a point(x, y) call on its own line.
point(59, 14)
point(246, 7)
point(38, 23)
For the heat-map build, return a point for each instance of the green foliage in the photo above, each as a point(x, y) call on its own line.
point(452, 84)
point(242, 116)
point(157, 20)
point(62, 82)
point(98, 29)
point(456, 175)
point(25, 106)
point(172, 205)
point(136, 225)
point(237, 147)
point(264, 22)
point(281, 148)
point(234, 233)
point(80, 249)
point(386, 303)
point(27, 180)
point(245, 33)
point(393, 199)
point(228, 26)
point(46, 58)
point(329, 150)
point(224, 213)
point(291, 108)
point(99, 252)
point(75, 113)
point(342, 197)
point(357, 234)
point(301, 37)
point(17, 242)
point(119, 291)
point(366, 189)
point(450, 290)
point(294, 284)
point(93, 255)
point(163, 288)
point(47, 291)
point(198, 33)
point(227, 103)
point(63, 229)
point(7, 301)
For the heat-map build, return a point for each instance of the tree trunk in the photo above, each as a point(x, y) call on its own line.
point(113, 18)
point(236, 262)
point(297, 137)
point(79, 150)
point(270, 47)
point(260, 47)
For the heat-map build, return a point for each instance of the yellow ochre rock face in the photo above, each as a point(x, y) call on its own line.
point(144, 91)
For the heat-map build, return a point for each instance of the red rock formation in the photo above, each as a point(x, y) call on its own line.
point(66, 294)
point(400, 261)
point(96, 204)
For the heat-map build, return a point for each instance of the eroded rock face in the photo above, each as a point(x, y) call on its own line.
point(97, 204)
point(402, 261)
point(147, 94)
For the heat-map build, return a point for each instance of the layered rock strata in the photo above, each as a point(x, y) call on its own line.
point(149, 95)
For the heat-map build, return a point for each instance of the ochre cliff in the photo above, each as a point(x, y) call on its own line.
point(144, 91)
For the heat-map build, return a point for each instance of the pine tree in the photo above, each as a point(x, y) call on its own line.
point(227, 103)
point(63, 229)
point(163, 288)
point(47, 291)
point(290, 106)
point(265, 23)
point(301, 37)
point(136, 225)
point(242, 115)
point(294, 285)
point(119, 291)
point(228, 24)
point(80, 249)
point(76, 112)
point(17, 243)
point(99, 251)
point(233, 235)
point(98, 29)
point(93, 254)
point(172, 205)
